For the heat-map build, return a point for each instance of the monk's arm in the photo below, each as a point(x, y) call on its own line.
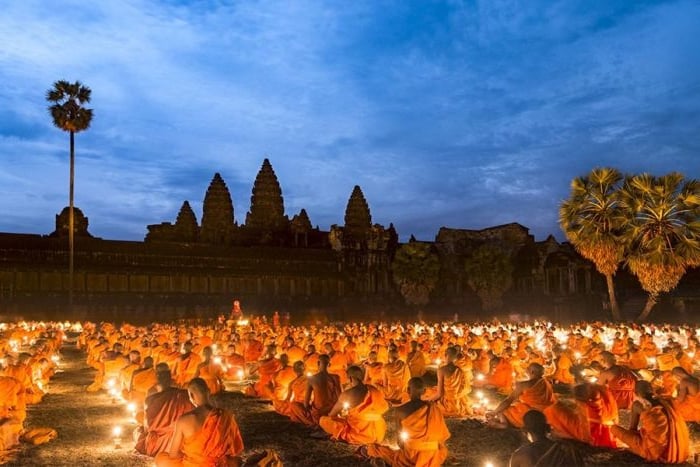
point(637, 409)
point(510, 399)
point(307, 396)
point(337, 407)
point(196, 372)
point(682, 391)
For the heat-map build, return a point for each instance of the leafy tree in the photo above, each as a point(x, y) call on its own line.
point(490, 274)
point(415, 269)
point(664, 231)
point(593, 221)
point(68, 114)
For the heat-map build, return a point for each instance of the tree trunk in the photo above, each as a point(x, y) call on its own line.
point(71, 222)
point(651, 301)
point(614, 307)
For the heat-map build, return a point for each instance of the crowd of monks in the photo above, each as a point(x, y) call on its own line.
point(29, 358)
point(342, 380)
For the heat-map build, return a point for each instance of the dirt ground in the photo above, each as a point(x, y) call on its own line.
point(84, 422)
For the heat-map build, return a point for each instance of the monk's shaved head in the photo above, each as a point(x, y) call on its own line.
point(416, 387)
point(148, 362)
point(535, 423)
point(535, 370)
point(355, 372)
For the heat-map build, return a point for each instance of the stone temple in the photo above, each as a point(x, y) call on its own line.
point(270, 261)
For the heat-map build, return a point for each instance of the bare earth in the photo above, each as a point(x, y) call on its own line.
point(84, 422)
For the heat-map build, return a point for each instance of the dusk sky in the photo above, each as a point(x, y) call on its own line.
point(459, 114)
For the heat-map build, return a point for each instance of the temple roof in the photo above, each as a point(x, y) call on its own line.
point(266, 202)
point(358, 219)
point(217, 216)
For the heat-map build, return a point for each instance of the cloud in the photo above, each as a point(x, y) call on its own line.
point(463, 114)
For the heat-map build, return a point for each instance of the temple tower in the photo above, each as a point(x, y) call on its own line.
point(186, 228)
point(301, 226)
point(217, 216)
point(266, 203)
point(358, 220)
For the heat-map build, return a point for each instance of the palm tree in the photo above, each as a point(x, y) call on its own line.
point(66, 109)
point(664, 218)
point(593, 222)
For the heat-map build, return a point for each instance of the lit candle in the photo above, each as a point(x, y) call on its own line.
point(479, 395)
point(217, 360)
point(308, 373)
point(479, 377)
point(438, 361)
point(240, 374)
point(488, 464)
point(577, 355)
point(117, 433)
point(404, 435)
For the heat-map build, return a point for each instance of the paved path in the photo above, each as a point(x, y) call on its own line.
point(84, 422)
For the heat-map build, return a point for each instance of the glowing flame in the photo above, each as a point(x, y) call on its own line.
point(404, 436)
point(117, 431)
point(240, 374)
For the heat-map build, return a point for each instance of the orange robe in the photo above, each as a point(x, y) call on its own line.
point(295, 392)
point(455, 398)
point(662, 435)
point(363, 423)
point(425, 444)
point(539, 396)
point(281, 382)
point(337, 366)
point(502, 376)
point(602, 412)
point(12, 399)
point(321, 404)
point(162, 410)
point(263, 386)
point(141, 382)
point(622, 388)
point(416, 364)
point(185, 369)
point(374, 373)
point(563, 372)
point(397, 376)
point(568, 420)
point(218, 440)
point(689, 409)
point(212, 375)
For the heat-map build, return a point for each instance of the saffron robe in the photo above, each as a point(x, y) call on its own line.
point(622, 388)
point(426, 433)
point(602, 413)
point(397, 375)
point(538, 396)
point(217, 441)
point(689, 409)
point(162, 410)
point(363, 423)
point(455, 400)
point(323, 400)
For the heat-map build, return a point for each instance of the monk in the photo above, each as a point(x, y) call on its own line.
point(141, 381)
point(322, 392)
point(266, 369)
point(601, 410)
point(416, 360)
point(562, 374)
point(452, 388)
point(210, 372)
point(688, 400)
point(657, 432)
point(296, 390)
point(542, 451)
point(186, 366)
point(535, 393)
point(619, 379)
point(282, 379)
point(395, 381)
point(311, 359)
point(234, 364)
point(162, 409)
point(374, 370)
point(356, 417)
point(12, 411)
point(127, 372)
point(501, 375)
point(338, 362)
point(204, 437)
point(421, 430)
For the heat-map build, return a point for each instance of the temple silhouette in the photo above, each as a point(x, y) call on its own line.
point(270, 261)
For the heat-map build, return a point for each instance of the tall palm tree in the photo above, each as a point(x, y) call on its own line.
point(592, 221)
point(663, 216)
point(66, 109)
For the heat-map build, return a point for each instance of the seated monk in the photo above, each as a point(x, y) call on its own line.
point(162, 409)
point(234, 364)
point(12, 412)
point(601, 409)
point(206, 436)
point(266, 370)
point(374, 370)
point(311, 359)
point(421, 431)
point(338, 362)
point(535, 393)
point(688, 401)
point(142, 380)
point(657, 432)
point(295, 392)
point(127, 372)
point(282, 379)
point(501, 375)
point(568, 420)
point(452, 388)
point(542, 451)
point(356, 417)
point(619, 379)
point(396, 376)
point(322, 392)
point(416, 360)
point(210, 372)
point(562, 374)
point(186, 365)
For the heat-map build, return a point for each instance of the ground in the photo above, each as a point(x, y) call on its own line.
point(84, 422)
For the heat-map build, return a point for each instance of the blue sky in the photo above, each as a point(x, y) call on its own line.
point(460, 114)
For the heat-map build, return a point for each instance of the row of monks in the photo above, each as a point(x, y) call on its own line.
point(29, 358)
point(342, 380)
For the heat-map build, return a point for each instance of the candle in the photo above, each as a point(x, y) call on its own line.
point(479, 377)
point(117, 433)
point(240, 374)
point(217, 360)
point(488, 464)
point(404, 435)
point(438, 361)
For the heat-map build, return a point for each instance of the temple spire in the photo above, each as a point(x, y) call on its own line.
point(358, 219)
point(186, 227)
point(266, 203)
point(217, 216)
